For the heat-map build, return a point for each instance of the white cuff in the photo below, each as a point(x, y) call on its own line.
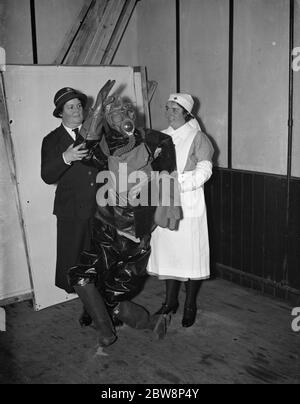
point(192, 180)
point(63, 156)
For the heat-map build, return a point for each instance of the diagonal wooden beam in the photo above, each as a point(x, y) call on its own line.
point(151, 87)
point(85, 36)
point(104, 32)
point(96, 33)
point(118, 32)
point(71, 35)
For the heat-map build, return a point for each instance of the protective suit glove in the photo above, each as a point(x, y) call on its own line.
point(91, 127)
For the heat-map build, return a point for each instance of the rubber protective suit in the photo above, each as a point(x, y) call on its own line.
point(137, 191)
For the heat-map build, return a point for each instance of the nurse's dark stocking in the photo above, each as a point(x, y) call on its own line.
point(171, 303)
point(190, 307)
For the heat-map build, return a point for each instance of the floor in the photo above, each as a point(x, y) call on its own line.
point(240, 337)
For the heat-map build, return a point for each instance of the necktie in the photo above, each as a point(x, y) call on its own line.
point(77, 135)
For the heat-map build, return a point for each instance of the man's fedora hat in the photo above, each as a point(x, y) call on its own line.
point(64, 95)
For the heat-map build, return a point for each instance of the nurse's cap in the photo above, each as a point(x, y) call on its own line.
point(185, 100)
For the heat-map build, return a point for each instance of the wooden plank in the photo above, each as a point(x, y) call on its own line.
point(16, 299)
point(118, 32)
point(99, 34)
point(70, 36)
point(104, 32)
point(81, 45)
point(151, 88)
point(142, 71)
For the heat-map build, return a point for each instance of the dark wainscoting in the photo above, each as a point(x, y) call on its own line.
point(250, 240)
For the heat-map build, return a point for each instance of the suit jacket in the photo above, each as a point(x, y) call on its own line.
point(76, 183)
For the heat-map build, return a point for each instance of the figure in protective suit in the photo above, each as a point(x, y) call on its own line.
point(109, 276)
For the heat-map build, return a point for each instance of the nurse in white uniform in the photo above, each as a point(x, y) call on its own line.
point(183, 254)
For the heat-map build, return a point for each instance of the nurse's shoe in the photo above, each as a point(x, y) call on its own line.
point(189, 316)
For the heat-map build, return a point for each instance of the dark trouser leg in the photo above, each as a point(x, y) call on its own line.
point(96, 308)
point(190, 307)
point(171, 302)
point(85, 319)
point(73, 237)
point(138, 317)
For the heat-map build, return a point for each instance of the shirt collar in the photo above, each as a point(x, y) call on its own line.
point(70, 131)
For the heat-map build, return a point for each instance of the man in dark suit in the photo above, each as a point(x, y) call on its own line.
point(75, 197)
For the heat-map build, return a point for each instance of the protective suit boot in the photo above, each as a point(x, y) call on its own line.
point(96, 308)
point(138, 317)
point(85, 319)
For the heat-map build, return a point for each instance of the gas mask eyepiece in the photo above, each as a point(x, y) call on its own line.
point(121, 117)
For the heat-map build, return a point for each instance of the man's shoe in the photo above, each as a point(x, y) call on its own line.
point(166, 309)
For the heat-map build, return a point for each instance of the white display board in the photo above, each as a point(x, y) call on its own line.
point(30, 91)
point(14, 271)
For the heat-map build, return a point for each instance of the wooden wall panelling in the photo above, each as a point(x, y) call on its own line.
point(296, 98)
point(237, 222)
point(294, 236)
point(226, 218)
point(258, 224)
point(247, 222)
point(213, 203)
point(275, 228)
point(249, 239)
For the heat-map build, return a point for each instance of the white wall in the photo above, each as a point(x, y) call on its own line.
point(127, 54)
point(54, 18)
point(204, 66)
point(15, 30)
point(260, 85)
point(157, 51)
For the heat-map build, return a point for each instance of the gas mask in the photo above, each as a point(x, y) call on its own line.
point(120, 116)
